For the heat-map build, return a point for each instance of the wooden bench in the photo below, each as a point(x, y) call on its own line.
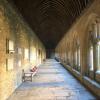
point(28, 74)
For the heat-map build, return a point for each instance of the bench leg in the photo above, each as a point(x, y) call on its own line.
point(31, 78)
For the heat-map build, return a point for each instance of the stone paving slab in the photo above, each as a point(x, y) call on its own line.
point(52, 82)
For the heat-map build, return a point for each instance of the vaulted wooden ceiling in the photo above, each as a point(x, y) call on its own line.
point(51, 19)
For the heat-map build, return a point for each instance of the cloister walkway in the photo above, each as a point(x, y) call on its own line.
point(52, 82)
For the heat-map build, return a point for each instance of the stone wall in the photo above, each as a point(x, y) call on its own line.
point(80, 32)
point(28, 49)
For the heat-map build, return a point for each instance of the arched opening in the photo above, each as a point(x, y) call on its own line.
point(94, 51)
point(98, 56)
point(90, 59)
point(76, 58)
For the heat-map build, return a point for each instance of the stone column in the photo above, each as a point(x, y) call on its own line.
point(98, 30)
point(95, 30)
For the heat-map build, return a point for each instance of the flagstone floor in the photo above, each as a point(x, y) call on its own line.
point(52, 82)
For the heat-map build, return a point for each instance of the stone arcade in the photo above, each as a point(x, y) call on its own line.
point(34, 31)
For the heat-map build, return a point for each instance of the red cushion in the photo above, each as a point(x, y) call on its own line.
point(35, 67)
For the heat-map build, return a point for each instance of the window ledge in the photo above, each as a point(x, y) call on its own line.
point(92, 82)
point(76, 71)
point(68, 65)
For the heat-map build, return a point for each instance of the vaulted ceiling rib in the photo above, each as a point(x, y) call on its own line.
point(51, 19)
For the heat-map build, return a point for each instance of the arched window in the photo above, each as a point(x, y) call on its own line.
point(69, 57)
point(98, 56)
point(90, 53)
point(90, 60)
point(96, 39)
point(94, 50)
point(77, 56)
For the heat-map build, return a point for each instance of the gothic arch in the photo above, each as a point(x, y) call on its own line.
point(93, 20)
